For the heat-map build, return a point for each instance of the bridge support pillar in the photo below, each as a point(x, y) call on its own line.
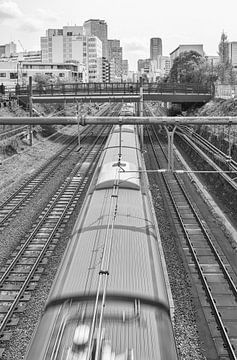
point(170, 130)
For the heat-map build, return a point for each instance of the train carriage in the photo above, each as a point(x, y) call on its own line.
point(109, 298)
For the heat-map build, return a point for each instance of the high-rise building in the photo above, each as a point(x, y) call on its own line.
point(94, 56)
point(115, 53)
point(155, 48)
point(97, 27)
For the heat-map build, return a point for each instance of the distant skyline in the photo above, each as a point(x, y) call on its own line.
point(131, 21)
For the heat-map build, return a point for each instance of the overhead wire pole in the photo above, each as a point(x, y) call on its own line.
point(30, 110)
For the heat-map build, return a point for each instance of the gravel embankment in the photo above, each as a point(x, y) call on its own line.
point(185, 328)
point(14, 170)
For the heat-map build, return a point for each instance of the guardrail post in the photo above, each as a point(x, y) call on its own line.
point(30, 111)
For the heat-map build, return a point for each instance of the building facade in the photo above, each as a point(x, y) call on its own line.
point(27, 56)
point(115, 54)
point(125, 67)
point(155, 48)
point(105, 70)
point(61, 45)
point(13, 72)
point(94, 59)
point(232, 53)
point(7, 50)
point(143, 65)
point(98, 28)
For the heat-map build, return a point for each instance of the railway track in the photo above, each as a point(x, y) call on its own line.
point(207, 147)
point(210, 269)
point(16, 201)
point(32, 185)
point(22, 271)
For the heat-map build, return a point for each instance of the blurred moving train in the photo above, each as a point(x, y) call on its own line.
point(109, 298)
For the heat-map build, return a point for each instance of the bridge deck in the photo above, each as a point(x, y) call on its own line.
point(129, 92)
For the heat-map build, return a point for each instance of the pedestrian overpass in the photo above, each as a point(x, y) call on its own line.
point(115, 92)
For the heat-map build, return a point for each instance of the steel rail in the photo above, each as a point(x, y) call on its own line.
point(39, 181)
point(16, 300)
point(214, 251)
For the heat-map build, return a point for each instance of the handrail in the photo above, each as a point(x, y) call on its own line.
point(115, 88)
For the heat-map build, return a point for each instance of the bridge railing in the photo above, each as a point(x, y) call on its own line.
point(113, 88)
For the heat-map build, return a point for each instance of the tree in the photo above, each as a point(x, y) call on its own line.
point(186, 68)
point(42, 80)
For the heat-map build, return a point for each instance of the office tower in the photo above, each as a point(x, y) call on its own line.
point(97, 27)
point(155, 48)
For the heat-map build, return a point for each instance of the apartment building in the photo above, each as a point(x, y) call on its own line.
point(69, 44)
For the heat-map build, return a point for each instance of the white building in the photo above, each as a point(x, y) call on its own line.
point(94, 57)
point(69, 44)
point(13, 72)
point(61, 45)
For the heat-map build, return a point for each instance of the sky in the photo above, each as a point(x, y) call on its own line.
point(134, 22)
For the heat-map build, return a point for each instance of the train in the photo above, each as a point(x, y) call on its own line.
point(128, 109)
point(109, 298)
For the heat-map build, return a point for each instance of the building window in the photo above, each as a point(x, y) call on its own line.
point(3, 75)
point(69, 33)
point(13, 76)
point(61, 74)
